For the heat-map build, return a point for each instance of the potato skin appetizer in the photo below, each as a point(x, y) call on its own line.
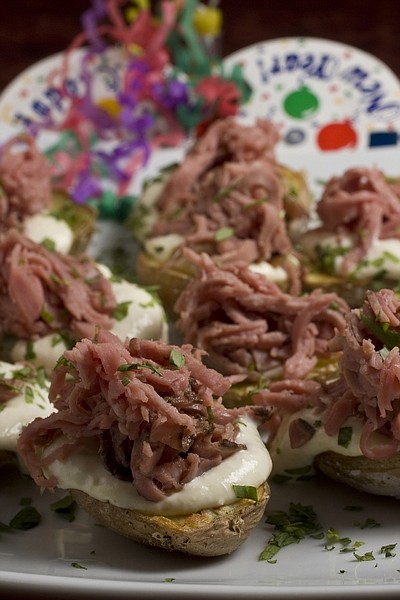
point(141, 437)
point(228, 198)
point(348, 427)
point(32, 205)
point(356, 245)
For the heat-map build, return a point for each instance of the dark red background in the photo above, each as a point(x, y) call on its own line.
point(33, 29)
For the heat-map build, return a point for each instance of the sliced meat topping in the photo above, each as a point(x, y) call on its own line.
point(154, 409)
point(362, 205)
point(370, 367)
point(25, 182)
point(227, 198)
point(42, 291)
point(249, 327)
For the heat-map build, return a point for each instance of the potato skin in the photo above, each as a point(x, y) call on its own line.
point(80, 217)
point(170, 281)
point(211, 532)
point(380, 477)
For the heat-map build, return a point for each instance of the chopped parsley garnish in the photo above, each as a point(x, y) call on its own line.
point(176, 358)
point(245, 491)
point(29, 395)
point(388, 550)
point(65, 508)
point(333, 537)
point(49, 244)
point(224, 234)
point(30, 353)
point(291, 527)
point(121, 310)
point(364, 557)
point(136, 366)
point(326, 257)
point(368, 524)
point(27, 518)
point(41, 377)
point(77, 565)
point(389, 338)
point(46, 316)
point(344, 436)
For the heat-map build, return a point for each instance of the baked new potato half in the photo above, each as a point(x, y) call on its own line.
point(32, 204)
point(80, 218)
point(228, 197)
point(355, 246)
point(155, 455)
point(348, 428)
point(209, 532)
point(379, 477)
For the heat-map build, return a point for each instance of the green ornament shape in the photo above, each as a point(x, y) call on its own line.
point(301, 104)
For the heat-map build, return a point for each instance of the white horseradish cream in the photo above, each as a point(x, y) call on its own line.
point(84, 470)
point(285, 458)
point(43, 226)
point(382, 257)
point(145, 319)
point(161, 248)
point(20, 410)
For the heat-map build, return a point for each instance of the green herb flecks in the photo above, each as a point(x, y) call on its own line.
point(389, 338)
point(135, 366)
point(333, 538)
point(245, 491)
point(77, 565)
point(388, 550)
point(49, 244)
point(29, 394)
point(121, 310)
point(364, 557)
point(176, 358)
point(46, 316)
point(290, 527)
point(369, 523)
point(27, 518)
point(65, 508)
point(30, 353)
point(326, 257)
point(224, 234)
point(344, 436)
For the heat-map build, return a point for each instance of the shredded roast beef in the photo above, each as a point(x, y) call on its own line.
point(225, 141)
point(367, 385)
point(362, 204)
point(155, 411)
point(42, 291)
point(248, 326)
point(370, 374)
point(25, 184)
point(226, 197)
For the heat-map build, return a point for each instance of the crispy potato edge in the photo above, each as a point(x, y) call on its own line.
point(379, 477)
point(211, 532)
